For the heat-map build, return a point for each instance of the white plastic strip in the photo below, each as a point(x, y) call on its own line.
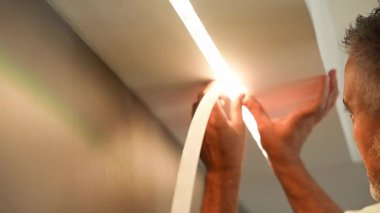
point(190, 155)
point(251, 124)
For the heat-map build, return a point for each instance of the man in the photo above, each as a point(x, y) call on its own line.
point(283, 138)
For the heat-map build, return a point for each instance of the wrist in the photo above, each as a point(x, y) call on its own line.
point(224, 172)
point(224, 166)
point(285, 163)
point(226, 182)
point(283, 157)
point(222, 190)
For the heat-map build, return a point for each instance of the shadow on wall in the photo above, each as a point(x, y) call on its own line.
point(72, 137)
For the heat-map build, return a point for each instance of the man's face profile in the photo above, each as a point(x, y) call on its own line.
point(366, 126)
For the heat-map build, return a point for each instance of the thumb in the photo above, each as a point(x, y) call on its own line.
point(257, 110)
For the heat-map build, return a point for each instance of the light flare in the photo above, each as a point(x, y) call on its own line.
point(225, 77)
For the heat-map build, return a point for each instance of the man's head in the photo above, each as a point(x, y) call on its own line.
point(362, 91)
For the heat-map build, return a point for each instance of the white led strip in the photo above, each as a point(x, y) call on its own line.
point(226, 83)
point(221, 70)
point(190, 156)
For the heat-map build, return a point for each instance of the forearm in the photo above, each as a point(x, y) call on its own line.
point(221, 191)
point(302, 191)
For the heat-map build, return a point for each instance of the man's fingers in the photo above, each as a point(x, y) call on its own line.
point(225, 103)
point(314, 106)
point(218, 116)
point(334, 91)
point(236, 112)
point(332, 96)
point(320, 100)
point(199, 98)
point(257, 110)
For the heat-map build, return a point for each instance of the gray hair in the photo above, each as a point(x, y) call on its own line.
point(362, 43)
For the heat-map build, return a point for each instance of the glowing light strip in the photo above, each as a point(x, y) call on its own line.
point(226, 83)
point(251, 125)
point(229, 83)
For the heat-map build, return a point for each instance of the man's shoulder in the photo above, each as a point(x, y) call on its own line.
point(369, 209)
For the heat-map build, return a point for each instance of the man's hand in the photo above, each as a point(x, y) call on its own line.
point(283, 139)
point(223, 144)
point(222, 153)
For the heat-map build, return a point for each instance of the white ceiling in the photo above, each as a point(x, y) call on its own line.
point(150, 50)
point(146, 45)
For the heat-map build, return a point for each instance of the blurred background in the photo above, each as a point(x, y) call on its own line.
point(96, 96)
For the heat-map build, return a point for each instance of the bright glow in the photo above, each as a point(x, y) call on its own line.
point(228, 83)
point(230, 90)
point(251, 124)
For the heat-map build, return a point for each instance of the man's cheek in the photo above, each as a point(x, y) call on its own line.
point(360, 139)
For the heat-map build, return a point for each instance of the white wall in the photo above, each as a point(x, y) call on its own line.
point(72, 136)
